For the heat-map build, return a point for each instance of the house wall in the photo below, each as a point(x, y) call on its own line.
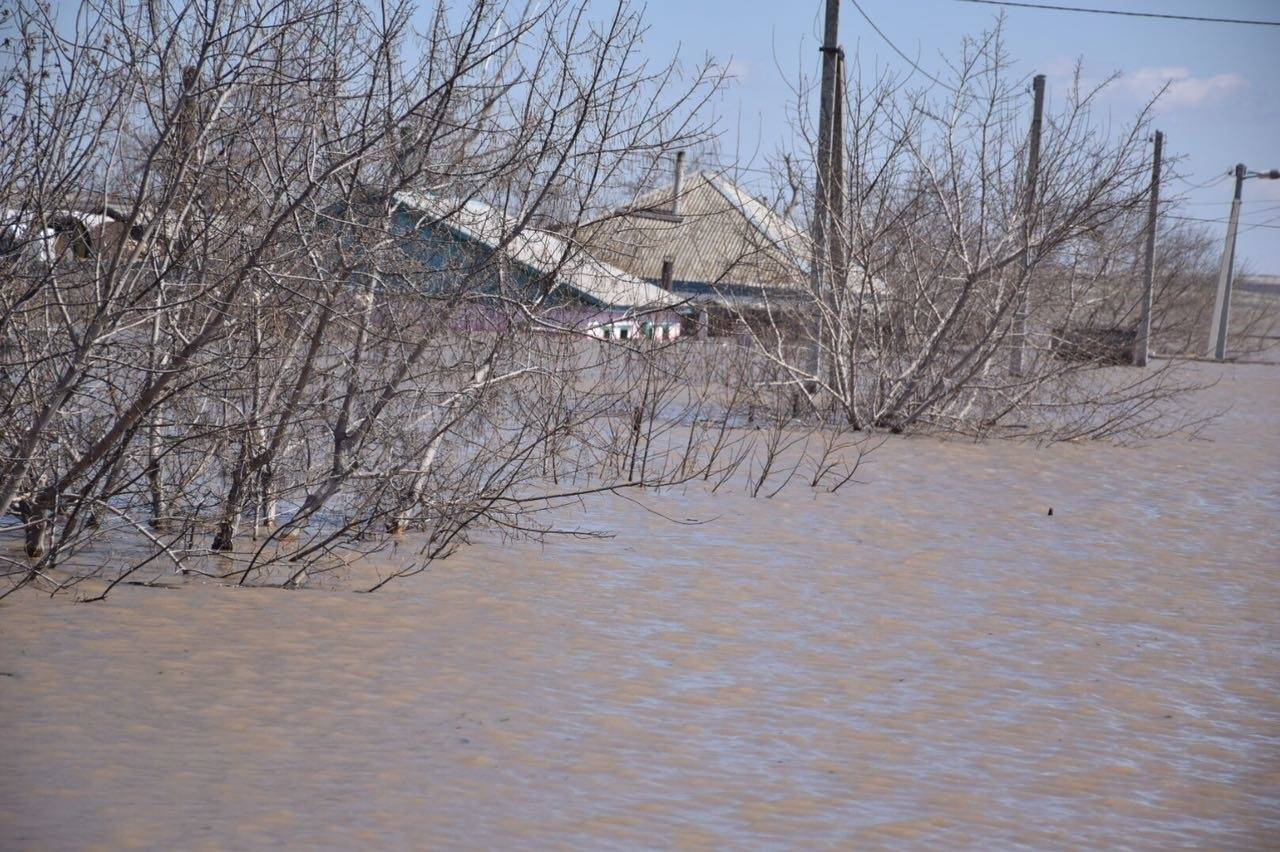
point(665, 325)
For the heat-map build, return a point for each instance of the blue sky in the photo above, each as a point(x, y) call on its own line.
point(1223, 106)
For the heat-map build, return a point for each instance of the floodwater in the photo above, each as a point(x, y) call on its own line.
point(926, 658)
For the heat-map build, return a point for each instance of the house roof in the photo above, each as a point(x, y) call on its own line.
point(723, 235)
point(541, 251)
point(780, 231)
point(725, 243)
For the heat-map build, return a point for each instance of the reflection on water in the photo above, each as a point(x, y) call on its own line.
point(926, 657)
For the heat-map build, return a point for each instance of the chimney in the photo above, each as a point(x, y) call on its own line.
point(675, 191)
point(668, 269)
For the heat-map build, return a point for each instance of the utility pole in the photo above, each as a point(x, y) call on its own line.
point(822, 195)
point(1141, 343)
point(1028, 211)
point(1226, 271)
point(837, 246)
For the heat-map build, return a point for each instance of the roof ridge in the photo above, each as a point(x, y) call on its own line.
point(536, 248)
point(774, 239)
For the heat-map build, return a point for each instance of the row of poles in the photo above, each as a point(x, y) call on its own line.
point(829, 200)
point(1218, 327)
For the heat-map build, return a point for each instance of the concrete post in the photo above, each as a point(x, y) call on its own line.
point(1141, 343)
point(1028, 211)
point(1226, 271)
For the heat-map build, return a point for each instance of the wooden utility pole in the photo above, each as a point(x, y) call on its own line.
point(1141, 343)
point(822, 194)
point(837, 246)
point(1028, 213)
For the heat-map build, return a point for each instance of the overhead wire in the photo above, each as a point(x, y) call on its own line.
point(1213, 181)
point(1244, 226)
point(905, 58)
point(1270, 201)
point(1128, 14)
point(1249, 226)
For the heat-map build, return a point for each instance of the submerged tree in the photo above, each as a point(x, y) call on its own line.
point(954, 295)
point(226, 322)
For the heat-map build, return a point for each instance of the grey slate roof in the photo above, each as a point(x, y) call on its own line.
point(724, 237)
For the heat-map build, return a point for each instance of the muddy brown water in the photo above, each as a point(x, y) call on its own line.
point(925, 659)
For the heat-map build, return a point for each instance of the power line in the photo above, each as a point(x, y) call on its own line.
point(1245, 225)
point(1225, 203)
point(1267, 224)
point(734, 167)
point(1213, 181)
point(1125, 14)
point(905, 58)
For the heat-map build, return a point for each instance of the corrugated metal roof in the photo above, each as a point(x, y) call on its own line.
point(544, 252)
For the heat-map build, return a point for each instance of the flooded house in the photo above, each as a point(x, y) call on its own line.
point(708, 241)
point(568, 288)
point(724, 251)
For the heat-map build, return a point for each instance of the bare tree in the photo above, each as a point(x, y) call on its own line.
point(258, 322)
point(933, 251)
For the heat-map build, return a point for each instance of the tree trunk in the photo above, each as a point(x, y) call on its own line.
point(155, 472)
point(37, 515)
point(224, 538)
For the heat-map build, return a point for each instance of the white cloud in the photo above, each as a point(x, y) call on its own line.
point(1185, 89)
